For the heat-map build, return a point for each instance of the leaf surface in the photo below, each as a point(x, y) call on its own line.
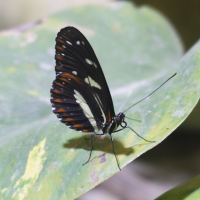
point(40, 158)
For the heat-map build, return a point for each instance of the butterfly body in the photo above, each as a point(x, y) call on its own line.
point(111, 127)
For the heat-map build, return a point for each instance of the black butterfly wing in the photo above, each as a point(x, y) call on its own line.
point(80, 95)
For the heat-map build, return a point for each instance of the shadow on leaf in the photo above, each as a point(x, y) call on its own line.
point(102, 143)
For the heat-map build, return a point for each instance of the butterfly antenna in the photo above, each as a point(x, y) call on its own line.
point(133, 119)
point(139, 135)
point(150, 93)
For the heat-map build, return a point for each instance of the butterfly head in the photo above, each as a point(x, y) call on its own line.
point(120, 120)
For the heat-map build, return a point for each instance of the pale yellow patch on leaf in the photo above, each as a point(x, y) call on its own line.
point(11, 69)
point(4, 190)
point(33, 92)
point(33, 168)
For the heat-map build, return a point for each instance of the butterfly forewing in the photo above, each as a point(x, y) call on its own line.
point(80, 95)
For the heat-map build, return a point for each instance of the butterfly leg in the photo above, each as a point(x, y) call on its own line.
point(91, 146)
point(114, 151)
point(90, 149)
point(88, 138)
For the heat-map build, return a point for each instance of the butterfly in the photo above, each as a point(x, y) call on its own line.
point(80, 96)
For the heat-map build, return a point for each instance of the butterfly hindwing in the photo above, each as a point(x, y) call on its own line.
point(80, 95)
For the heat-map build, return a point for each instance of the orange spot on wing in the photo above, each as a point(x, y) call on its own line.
point(59, 84)
point(78, 126)
point(60, 48)
point(109, 116)
point(64, 79)
point(72, 77)
point(59, 57)
point(61, 41)
point(57, 100)
point(69, 120)
point(61, 110)
point(56, 91)
point(85, 130)
point(65, 37)
point(58, 67)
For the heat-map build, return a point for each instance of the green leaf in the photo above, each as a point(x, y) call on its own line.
point(40, 157)
point(187, 191)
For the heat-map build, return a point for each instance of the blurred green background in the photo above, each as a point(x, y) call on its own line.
point(176, 159)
